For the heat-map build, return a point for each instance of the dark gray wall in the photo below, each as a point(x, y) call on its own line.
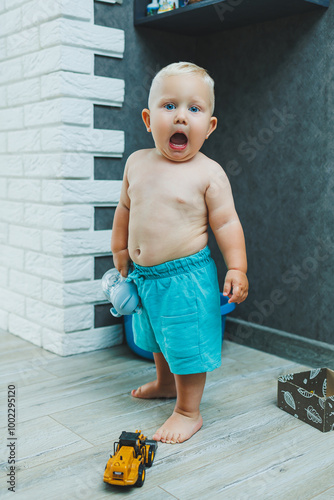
point(274, 94)
point(275, 109)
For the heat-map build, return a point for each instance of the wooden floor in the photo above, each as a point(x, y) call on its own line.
point(70, 410)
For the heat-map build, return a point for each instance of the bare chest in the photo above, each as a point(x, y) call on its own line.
point(178, 189)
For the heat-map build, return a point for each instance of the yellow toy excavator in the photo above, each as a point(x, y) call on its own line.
point(132, 454)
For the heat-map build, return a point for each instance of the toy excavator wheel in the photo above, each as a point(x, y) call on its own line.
point(141, 476)
point(150, 457)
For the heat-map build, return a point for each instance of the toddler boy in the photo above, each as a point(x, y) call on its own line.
point(169, 196)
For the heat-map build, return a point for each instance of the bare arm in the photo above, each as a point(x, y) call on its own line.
point(119, 235)
point(229, 234)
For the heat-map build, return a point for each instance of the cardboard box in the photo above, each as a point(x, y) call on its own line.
point(309, 396)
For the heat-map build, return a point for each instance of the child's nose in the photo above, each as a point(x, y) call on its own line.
point(180, 116)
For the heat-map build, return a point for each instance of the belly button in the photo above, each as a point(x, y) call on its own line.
point(137, 252)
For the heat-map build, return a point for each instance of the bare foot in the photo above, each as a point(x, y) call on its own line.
point(154, 390)
point(178, 428)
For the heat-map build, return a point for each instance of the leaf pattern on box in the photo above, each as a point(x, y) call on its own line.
point(322, 403)
point(289, 399)
point(314, 372)
point(285, 378)
point(313, 415)
point(305, 393)
point(324, 387)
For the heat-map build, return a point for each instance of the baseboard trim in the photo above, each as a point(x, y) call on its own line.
point(286, 345)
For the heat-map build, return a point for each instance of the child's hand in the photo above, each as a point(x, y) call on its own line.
point(122, 262)
point(236, 286)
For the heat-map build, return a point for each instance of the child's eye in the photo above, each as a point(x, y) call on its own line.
point(194, 109)
point(169, 106)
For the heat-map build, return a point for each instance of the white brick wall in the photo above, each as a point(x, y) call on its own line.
point(47, 190)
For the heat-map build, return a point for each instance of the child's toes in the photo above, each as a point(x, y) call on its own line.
point(157, 436)
point(163, 435)
point(169, 437)
point(172, 437)
point(175, 439)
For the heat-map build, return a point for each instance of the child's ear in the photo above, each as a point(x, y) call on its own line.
point(146, 119)
point(212, 126)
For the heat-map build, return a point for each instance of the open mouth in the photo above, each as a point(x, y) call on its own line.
point(178, 141)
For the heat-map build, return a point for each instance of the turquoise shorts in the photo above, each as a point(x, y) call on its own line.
point(180, 312)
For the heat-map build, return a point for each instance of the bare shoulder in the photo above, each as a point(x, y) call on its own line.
point(214, 172)
point(136, 158)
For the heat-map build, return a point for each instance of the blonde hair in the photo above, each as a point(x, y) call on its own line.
point(185, 68)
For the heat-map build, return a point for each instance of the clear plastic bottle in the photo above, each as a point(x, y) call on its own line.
point(121, 293)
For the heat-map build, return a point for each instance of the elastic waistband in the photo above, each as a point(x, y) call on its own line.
point(174, 267)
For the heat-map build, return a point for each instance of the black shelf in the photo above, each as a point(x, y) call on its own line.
point(210, 16)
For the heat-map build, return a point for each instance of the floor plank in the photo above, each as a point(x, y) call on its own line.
point(71, 410)
point(282, 468)
point(328, 494)
point(43, 439)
